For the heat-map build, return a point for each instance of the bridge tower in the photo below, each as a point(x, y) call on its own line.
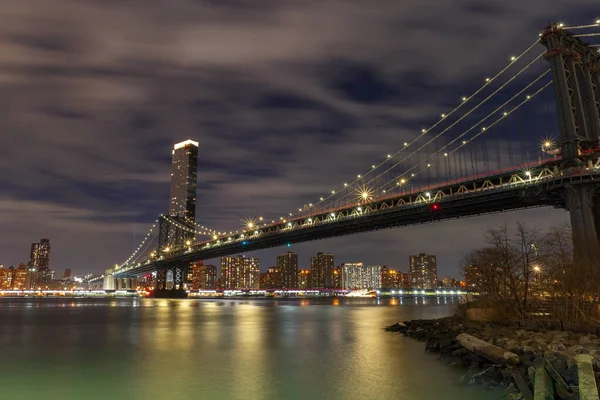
point(174, 233)
point(575, 70)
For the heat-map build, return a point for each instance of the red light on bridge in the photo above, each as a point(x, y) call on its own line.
point(435, 207)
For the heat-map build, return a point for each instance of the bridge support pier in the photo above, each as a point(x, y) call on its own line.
point(174, 289)
point(583, 203)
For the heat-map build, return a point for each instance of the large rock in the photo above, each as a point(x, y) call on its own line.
point(482, 314)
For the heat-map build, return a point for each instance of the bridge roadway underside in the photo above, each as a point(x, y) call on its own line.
point(469, 204)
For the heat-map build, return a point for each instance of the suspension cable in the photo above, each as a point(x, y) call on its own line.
point(503, 116)
point(457, 121)
point(499, 108)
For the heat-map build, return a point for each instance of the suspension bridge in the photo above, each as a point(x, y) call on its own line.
point(470, 162)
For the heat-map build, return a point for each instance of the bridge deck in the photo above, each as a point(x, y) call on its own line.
point(510, 190)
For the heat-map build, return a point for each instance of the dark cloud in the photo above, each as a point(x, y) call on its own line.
point(287, 99)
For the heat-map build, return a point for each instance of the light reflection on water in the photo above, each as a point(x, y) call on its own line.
point(220, 349)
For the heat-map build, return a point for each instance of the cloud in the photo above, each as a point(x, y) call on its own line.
point(287, 99)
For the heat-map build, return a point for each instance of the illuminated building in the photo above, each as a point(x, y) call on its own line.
point(288, 270)
point(20, 279)
point(472, 277)
point(423, 272)
point(359, 276)
point(184, 172)
point(271, 279)
point(240, 272)
point(321, 271)
point(6, 277)
point(204, 277)
point(39, 259)
point(303, 279)
point(390, 278)
point(337, 277)
point(404, 280)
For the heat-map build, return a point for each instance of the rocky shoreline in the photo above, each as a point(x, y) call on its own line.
point(557, 350)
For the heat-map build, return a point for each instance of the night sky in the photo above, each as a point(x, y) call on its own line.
point(288, 99)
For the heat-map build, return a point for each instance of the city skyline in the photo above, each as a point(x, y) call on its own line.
point(96, 219)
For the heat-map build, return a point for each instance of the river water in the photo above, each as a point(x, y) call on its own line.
point(97, 349)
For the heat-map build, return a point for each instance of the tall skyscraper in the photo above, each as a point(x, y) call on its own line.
point(359, 276)
point(183, 181)
point(240, 272)
point(288, 270)
point(322, 271)
point(39, 259)
point(423, 272)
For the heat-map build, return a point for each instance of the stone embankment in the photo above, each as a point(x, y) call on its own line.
point(511, 358)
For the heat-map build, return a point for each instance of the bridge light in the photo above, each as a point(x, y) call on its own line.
point(372, 166)
point(389, 155)
point(260, 218)
point(428, 194)
point(513, 58)
point(487, 79)
point(250, 225)
point(256, 232)
point(310, 220)
point(358, 176)
point(167, 249)
point(464, 99)
point(214, 237)
point(332, 215)
point(289, 224)
point(435, 207)
point(359, 209)
point(321, 198)
point(402, 181)
point(289, 245)
point(188, 243)
point(443, 115)
point(424, 130)
point(405, 144)
point(598, 21)
point(345, 184)
point(528, 173)
point(244, 243)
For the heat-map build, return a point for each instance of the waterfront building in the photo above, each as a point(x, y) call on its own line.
point(360, 276)
point(39, 258)
point(423, 272)
point(321, 271)
point(303, 279)
point(390, 278)
point(472, 277)
point(240, 272)
point(288, 270)
point(6, 277)
point(184, 172)
point(404, 280)
point(271, 279)
point(209, 277)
